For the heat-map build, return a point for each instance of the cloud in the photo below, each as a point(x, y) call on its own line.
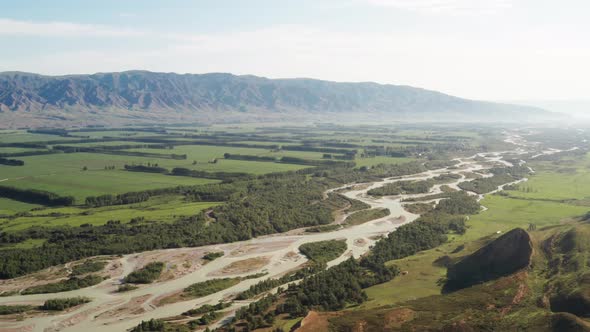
point(462, 7)
point(10, 27)
point(525, 64)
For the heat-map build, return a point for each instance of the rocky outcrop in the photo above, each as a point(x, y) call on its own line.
point(503, 256)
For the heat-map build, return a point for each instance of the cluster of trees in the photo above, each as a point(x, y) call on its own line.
point(28, 153)
point(147, 169)
point(206, 308)
point(311, 162)
point(334, 288)
point(36, 196)
point(355, 205)
point(317, 149)
point(323, 251)
point(70, 284)
point(342, 174)
point(157, 325)
point(27, 145)
point(88, 266)
point(347, 156)
point(206, 319)
point(11, 162)
point(249, 157)
point(63, 304)
point(207, 287)
point(389, 151)
point(360, 217)
point(53, 305)
point(50, 131)
point(211, 256)
point(459, 203)
point(402, 187)
point(268, 284)
point(256, 315)
point(127, 198)
point(146, 275)
point(14, 309)
point(114, 151)
point(428, 231)
point(323, 228)
point(224, 176)
point(126, 288)
point(502, 175)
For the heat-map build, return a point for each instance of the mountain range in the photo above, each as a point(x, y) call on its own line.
point(32, 100)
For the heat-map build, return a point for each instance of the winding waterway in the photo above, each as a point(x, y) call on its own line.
point(112, 311)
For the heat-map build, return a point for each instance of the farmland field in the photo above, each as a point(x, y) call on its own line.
point(9, 206)
point(161, 209)
point(146, 194)
point(64, 174)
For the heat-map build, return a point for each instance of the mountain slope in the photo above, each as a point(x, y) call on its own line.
point(141, 94)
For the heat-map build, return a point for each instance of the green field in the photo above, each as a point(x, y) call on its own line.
point(23, 137)
point(105, 143)
point(380, 160)
point(569, 179)
point(204, 153)
point(63, 174)
point(9, 206)
point(539, 207)
point(161, 209)
point(113, 133)
point(17, 150)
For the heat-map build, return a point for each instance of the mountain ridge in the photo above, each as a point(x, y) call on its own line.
point(143, 95)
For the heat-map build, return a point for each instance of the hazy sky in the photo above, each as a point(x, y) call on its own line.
point(484, 49)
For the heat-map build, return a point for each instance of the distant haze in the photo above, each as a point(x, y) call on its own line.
point(476, 49)
point(128, 97)
point(577, 108)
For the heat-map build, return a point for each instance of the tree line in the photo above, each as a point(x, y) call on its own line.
point(35, 196)
point(11, 162)
point(253, 208)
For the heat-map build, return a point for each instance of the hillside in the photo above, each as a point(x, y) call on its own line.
point(547, 291)
point(139, 96)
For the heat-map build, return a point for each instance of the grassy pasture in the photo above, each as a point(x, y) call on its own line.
point(17, 150)
point(161, 209)
point(107, 143)
point(503, 214)
point(113, 133)
point(204, 153)
point(9, 206)
point(380, 160)
point(63, 174)
point(569, 179)
point(23, 137)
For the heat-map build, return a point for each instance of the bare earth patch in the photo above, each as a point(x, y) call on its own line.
point(397, 317)
point(57, 273)
point(243, 266)
point(178, 263)
point(315, 321)
point(131, 307)
point(360, 242)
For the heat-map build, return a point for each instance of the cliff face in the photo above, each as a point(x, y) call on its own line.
point(505, 255)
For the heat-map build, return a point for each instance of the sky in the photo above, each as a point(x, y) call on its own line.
point(480, 49)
